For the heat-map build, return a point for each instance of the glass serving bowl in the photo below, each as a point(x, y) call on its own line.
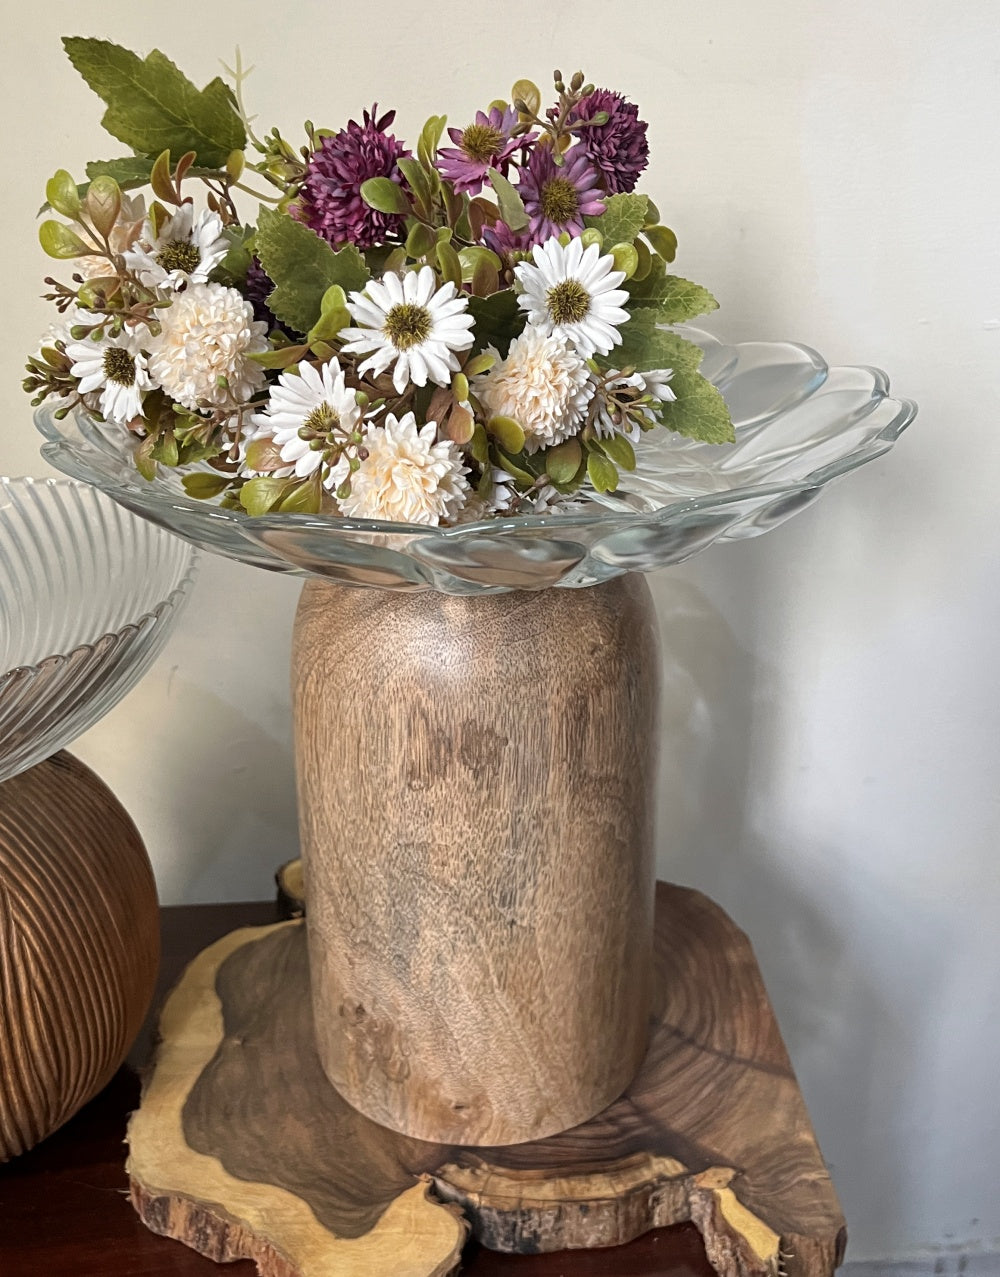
point(88, 595)
point(799, 424)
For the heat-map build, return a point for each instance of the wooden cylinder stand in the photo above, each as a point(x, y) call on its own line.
point(475, 795)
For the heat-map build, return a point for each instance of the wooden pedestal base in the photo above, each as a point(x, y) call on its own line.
point(241, 1148)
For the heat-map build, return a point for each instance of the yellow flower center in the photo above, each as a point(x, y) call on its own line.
point(407, 325)
point(320, 425)
point(119, 366)
point(179, 255)
point(568, 301)
point(559, 200)
point(481, 141)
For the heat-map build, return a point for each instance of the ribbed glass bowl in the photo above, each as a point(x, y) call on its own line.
point(799, 424)
point(88, 595)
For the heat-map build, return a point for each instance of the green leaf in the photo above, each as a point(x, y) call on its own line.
point(153, 107)
point(479, 445)
point(622, 219)
point(626, 259)
point(507, 432)
point(385, 195)
point(563, 461)
point(304, 498)
point(619, 449)
point(143, 458)
point(449, 264)
point(62, 195)
point(205, 486)
point(663, 239)
point(498, 318)
point(303, 267)
point(430, 136)
point(59, 241)
point(699, 411)
point(672, 298)
point(601, 472)
point(645, 345)
point(510, 203)
point(129, 171)
point(334, 315)
point(258, 496)
point(104, 203)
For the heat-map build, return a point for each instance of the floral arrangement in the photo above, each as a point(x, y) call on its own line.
point(475, 329)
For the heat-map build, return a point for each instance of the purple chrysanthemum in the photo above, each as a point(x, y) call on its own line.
point(259, 286)
point(617, 149)
point(331, 201)
point(484, 144)
point(557, 197)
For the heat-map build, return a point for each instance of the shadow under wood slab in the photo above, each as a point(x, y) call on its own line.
point(241, 1148)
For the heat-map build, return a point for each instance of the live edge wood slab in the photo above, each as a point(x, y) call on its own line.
point(242, 1149)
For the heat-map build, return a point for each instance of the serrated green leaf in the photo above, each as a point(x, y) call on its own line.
point(563, 461)
point(509, 202)
point(303, 267)
point(152, 106)
point(205, 486)
point(385, 195)
point(673, 298)
point(601, 472)
point(699, 411)
point(645, 346)
point(622, 219)
point(498, 318)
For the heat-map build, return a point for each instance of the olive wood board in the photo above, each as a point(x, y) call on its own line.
point(242, 1149)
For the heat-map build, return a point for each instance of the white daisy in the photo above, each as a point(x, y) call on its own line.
point(573, 292)
point(185, 252)
point(609, 386)
point(405, 322)
point(200, 357)
point(405, 476)
point(309, 417)
point(497, 499)
point(116, 366)
point(543, 384)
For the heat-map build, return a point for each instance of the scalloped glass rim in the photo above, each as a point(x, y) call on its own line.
point(68, 672)
point(799, 425)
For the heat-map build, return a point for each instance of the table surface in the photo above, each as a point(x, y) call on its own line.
point(64, 1210)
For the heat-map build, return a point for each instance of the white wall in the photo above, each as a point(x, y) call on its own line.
point(833, 691)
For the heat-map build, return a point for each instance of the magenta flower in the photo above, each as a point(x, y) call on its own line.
point(484, 144)
point(557, 197)
point(617, 149)
point(330, 201)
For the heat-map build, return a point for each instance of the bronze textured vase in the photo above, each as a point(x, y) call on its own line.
point(475, 795)
point(79, 945)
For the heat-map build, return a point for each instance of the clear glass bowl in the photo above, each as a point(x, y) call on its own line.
point(88, 595)
point(799, 424)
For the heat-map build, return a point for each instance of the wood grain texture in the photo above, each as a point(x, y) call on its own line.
point(476, 815)
point(712, 1130)
point(79, 945)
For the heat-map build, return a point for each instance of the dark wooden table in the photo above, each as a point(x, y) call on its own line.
point(64, 1209)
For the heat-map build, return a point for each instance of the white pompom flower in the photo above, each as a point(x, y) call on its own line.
point(115, 366)
point(405, 476)
point(185, 252)
point(410, 326)
point(200, 357)
point(543, 384)
point(309, 417)
point(573, 292)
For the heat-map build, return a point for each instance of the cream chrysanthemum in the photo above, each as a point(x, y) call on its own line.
point(309, 417)
point(405, 476)
point(543, 384)
point(185, 252)
point(115, 366)
point(123, 235)
point(200, 357)
point(407, 323)
point(573, 292)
